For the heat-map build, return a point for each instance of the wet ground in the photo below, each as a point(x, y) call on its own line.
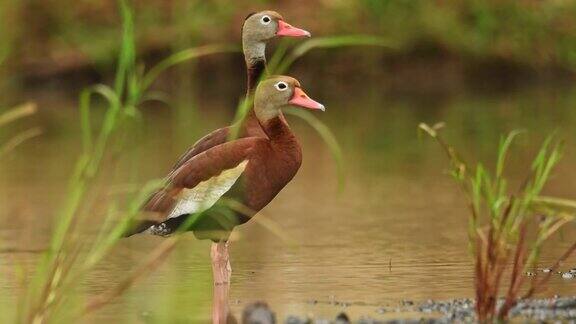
point(455, 310)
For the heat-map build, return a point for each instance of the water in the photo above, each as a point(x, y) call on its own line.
point(397, 231)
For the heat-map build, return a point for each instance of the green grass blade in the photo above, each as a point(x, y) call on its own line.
point(107, 127)
point(329, 42)
point(127, 57)
point(110, 235)
point(503, 152)
point(279, 55)
point(183, 56)
point(241, 111)
point(561, 203)
point(85, 104)
point(328, 137)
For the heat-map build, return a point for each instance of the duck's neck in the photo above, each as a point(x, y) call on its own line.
point(278, 130)
point(254, 71)
point(255, 55)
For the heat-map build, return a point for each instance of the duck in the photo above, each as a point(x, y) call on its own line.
point(248, 171)
point(258, 30)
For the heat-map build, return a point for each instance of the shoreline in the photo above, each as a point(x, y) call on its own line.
point(461, 310)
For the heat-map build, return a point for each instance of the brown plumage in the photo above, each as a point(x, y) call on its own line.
point(263, 165)
point(255, 36)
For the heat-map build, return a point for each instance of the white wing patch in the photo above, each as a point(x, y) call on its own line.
point(207, 193)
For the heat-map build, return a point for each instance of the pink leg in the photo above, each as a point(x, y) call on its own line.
point(221, 271)
point(220, 263)
point(220, 305)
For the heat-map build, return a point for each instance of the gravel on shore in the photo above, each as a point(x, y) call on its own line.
point(557, 309)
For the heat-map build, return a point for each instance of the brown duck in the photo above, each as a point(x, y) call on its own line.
point(249, 172)
point(258, 29)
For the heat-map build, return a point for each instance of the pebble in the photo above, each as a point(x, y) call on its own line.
point(565, 303)
point(258, 312)
point(342, 318)
point(367, 320)
point(568, 275)
point(318, 321)
point(547, 270)
point(381, 310)
point(297, 320)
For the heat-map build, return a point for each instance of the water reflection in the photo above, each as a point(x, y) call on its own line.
point(396, 232)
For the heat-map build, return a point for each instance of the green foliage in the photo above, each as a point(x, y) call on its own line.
point(5, 31)
point(533, 33)
point(499, 220)
point(183, 56)
point(328, 137)
point(52, 287)
point(536, 33)
point(282, 61)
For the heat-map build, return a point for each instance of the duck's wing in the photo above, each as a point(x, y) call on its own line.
point(199, 182)
point(207, 142)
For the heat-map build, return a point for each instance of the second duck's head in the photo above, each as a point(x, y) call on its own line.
point(277, 92)
point(263, 26)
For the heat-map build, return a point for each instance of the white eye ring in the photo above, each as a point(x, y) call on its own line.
point(281, 86)
point(265, 20)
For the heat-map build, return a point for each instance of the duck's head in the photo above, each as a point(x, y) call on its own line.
point(261, 27)
point(277, 92)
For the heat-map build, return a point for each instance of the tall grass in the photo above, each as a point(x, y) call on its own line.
point(499, 221)
point(284, 58)
point(71, 255)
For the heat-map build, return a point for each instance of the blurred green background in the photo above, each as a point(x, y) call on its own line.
point(500, 39)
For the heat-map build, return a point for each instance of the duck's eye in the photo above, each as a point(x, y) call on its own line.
point(281, 86)
point(265, 20)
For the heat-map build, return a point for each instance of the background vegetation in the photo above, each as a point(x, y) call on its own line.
point(517, 35)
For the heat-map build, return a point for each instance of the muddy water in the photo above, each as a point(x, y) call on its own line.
point(396, 231)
